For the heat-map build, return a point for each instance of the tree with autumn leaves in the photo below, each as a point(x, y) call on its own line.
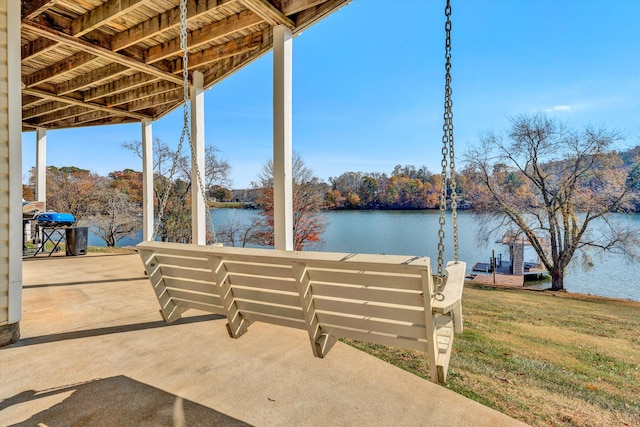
point(407, 187)
point(109, 205)
point(308, 223)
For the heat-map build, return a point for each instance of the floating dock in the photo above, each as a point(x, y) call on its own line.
point(483, 273)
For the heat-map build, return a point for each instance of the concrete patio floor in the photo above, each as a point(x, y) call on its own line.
point(95, 351)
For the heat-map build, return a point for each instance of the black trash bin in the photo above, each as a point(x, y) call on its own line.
point(76, 238)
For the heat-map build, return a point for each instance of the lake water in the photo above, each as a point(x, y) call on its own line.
point(415, 233)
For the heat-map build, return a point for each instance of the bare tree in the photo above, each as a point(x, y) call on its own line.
point(238, 233)
point(118, 217)
point(217, 169)
point(172, 181)
point(557, 186)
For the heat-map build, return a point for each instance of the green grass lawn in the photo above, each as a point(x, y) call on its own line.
point(548, 359)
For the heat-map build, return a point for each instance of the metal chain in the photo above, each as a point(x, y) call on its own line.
point(447, 160)
point(185, 128)
point(186, 133)
point(452, 157)
point(185, 74)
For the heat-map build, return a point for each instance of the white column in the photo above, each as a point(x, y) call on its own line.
point(147, 181)
point(282, 139)
point(14, 113)
point(41, 165)
point(198, 208)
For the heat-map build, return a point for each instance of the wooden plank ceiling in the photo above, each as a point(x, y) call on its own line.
point(95, 62)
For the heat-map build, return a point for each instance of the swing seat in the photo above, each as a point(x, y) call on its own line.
point(385, 299)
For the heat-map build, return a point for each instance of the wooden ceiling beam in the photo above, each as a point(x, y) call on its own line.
point(72, 101)
point(33, 8)
point(268, 12)
point(157, 100)
point(309, 17)
point(113, 120)
point(82, 45)
point(54, 117)
point(75, 121)
point(102, 14)
point(207, 34)
point(122, 85)
point(140, 93)
point(55, 70)
point(36, 47)
point(222, 69)
point(217, 53)
point(289, 7)
point(43, 109)
point(164, 22)
point(29, 100)
point(91, 78)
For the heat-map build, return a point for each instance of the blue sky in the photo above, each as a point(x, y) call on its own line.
point(368, 86)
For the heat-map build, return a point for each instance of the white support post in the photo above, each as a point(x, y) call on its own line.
point(41, 165)
point(147, 181)
point(198, 208)
point(282, 138)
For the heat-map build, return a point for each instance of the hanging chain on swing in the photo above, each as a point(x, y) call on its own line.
point(185, 128)
point(186, 133)
point(448, 159)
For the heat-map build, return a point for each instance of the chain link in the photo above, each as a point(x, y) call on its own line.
point(448, 159)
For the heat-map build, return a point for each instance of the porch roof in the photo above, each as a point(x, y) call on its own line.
point(96, 62)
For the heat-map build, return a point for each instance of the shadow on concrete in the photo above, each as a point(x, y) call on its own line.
point(118, 401)
point(43, 339)
point(85, 282)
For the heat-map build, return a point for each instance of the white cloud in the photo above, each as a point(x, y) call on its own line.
point(562, 107)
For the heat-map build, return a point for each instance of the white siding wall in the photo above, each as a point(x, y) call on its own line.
point(10, 171)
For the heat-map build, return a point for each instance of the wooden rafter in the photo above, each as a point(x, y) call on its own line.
point(164, 22)
point(55, 70)
point(140, 93)
point(54, 117)
point(224, 68)
point(28, 100)
point(207, 34)
point(102, 14)
point(217, 53)
point(91, 78)
point(77, 43)
point(43, 109)
point(289, 7)
point(33, 8)
point(82, 119)
point(268, 12)
point(36, 47)
point(309, 17)
point(122, 85)
point(72, 101)
point(172, 97)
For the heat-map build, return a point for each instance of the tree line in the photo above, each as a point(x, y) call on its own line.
point(540, 179)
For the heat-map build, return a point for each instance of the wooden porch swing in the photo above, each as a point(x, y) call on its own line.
point(385, 299)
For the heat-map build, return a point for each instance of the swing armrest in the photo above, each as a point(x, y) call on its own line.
point(452, 292)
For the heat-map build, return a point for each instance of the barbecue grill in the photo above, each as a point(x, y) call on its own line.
point(55, 219)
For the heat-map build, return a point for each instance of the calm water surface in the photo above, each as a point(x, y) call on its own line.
point(416, 233)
